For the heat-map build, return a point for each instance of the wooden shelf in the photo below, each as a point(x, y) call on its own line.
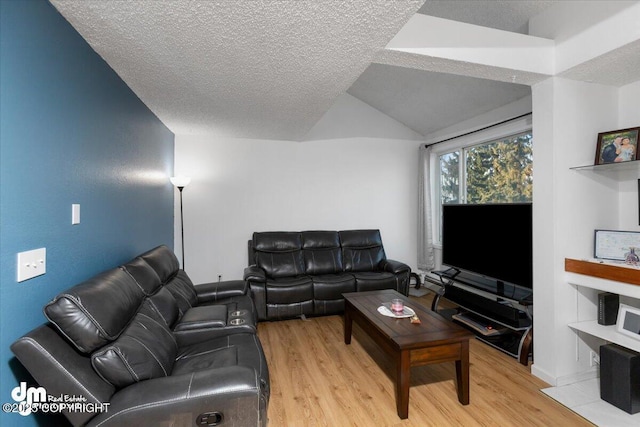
point(616, 273)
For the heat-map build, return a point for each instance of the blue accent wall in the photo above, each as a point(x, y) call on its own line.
point(71, 131)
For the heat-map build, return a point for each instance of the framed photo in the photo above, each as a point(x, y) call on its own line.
point(615, 245)
point(629, 321)
point(617, 146)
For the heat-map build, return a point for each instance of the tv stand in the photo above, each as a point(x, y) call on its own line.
point(498, 313)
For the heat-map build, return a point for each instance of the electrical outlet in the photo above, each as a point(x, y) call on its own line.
point(594, 358)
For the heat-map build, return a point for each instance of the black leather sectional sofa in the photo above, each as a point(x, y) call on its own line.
point(156, 350)
point(294, 274)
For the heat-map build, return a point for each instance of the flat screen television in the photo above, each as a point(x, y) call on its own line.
point(490, 240)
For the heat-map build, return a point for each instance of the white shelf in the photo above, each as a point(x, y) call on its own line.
point(621, 171)
point(604, 285)
point(607, 333)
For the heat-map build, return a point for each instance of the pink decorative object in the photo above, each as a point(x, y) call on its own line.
point(397, 305)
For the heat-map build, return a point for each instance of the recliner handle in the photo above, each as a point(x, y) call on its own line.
point(210, 419)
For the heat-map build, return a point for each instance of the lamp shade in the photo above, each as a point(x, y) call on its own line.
point(180, 181)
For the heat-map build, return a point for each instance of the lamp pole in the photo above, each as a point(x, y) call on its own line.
point(181, 226)
point(180, 182)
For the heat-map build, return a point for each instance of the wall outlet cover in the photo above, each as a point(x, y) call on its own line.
point(31, 264)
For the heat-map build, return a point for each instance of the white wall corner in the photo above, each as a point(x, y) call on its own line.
point(350, 117)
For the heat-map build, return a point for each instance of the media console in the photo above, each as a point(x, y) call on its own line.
point(499, 314)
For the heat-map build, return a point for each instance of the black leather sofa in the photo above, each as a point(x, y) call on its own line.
point(145, 347)
point(293, 274)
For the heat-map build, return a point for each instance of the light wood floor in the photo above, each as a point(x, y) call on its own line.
point(317, 380)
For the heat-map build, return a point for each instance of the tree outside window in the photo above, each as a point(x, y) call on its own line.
point(499, 171)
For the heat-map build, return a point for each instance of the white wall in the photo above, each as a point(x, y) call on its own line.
point(629, 106)
point(240, 186)
point(628, 117)
point(568, 206)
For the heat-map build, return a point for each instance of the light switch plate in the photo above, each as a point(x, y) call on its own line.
point(31, 264)
point(75, 214)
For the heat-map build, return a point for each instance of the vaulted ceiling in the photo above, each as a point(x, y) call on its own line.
point(271, 69)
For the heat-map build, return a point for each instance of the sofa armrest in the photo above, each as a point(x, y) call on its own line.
point(208, 322)
point(395, 267)
point(215, 291)
point(58, 367)
point(257, 280)
point(234, 392)
point(253, 273)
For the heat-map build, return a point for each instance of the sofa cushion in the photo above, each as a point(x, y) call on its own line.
point(289, 290)
point(328, 290)
point(163, 261)
point(279, 253)
point(322, 254)
point(323, 261)
point(362, 250)
point(165, 305)
point(373, 281)
point(182, 289)
point(236, 349)
point(281, 264)
point(223, 352)
point(145, 350)
point(145, 276)
point(332, 286)
point(96, 311)
point(277, 241)
point(320, 239)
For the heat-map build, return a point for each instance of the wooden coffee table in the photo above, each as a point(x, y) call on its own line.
point(434, 340)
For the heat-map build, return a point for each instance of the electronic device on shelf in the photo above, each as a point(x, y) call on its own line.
point(488, 249)
point(491, 241)
point(478, 323)
point(505, 314)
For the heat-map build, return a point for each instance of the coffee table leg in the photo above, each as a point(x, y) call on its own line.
point(347, 326)
point(462, 373)
point(403, 380)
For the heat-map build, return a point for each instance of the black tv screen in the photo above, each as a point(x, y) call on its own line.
point(491, 240)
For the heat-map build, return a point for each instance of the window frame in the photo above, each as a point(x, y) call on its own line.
point(462, 143)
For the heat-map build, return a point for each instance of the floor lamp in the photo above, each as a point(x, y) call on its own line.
point(180, 182)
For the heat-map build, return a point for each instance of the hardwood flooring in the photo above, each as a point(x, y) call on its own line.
point(317, 380)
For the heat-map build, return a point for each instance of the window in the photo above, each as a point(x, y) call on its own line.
point(496, 171)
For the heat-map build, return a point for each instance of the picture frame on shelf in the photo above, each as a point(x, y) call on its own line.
point(628, 322)
point(617, 146)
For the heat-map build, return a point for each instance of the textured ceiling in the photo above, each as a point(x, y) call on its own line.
point(254, 69)
point(450, 98)
point(505, 15)
point(270, 69)
point(616, 68)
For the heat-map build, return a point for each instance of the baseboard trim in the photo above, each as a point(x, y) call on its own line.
point(565, 379)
